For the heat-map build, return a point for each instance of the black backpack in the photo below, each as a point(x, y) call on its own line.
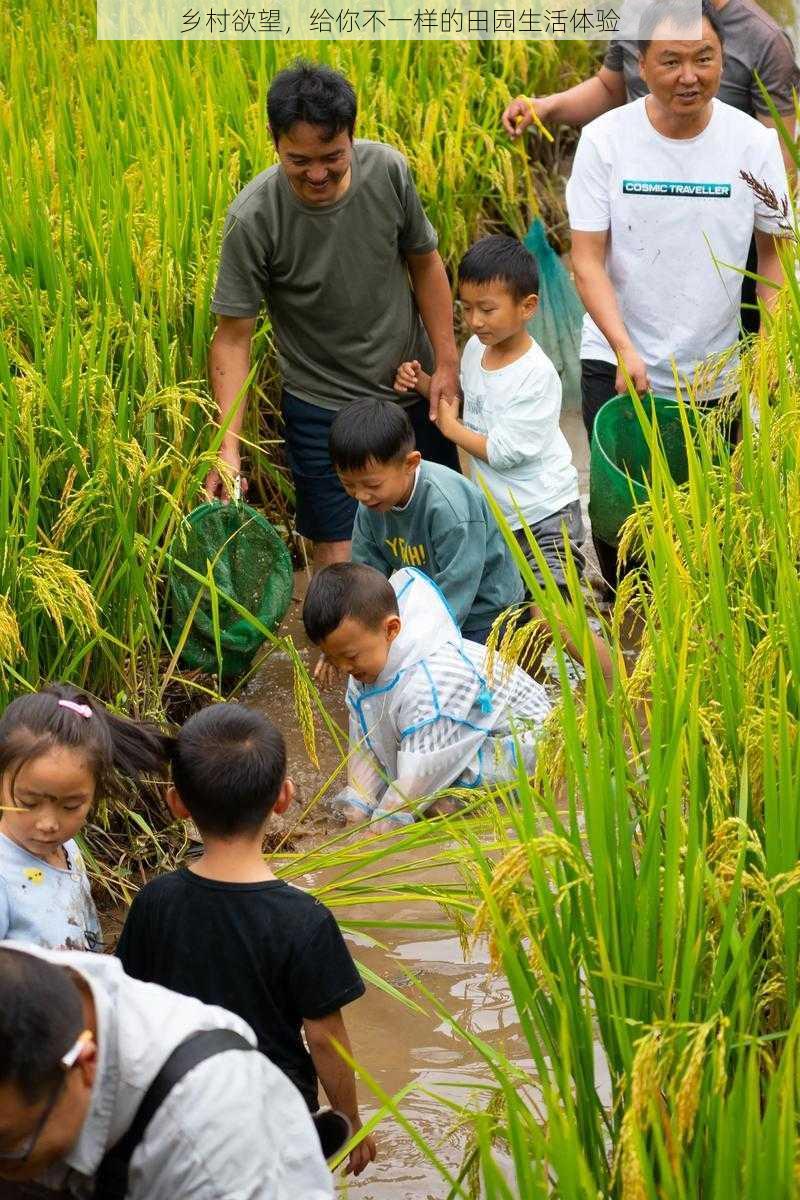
point(111, 1180)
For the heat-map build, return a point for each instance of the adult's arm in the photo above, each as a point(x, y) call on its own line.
point(577, 105)
point(775, 69)
point(228, 368)
point(600, 301)
point(769, 268)
point(435, 303)
point(769, 223)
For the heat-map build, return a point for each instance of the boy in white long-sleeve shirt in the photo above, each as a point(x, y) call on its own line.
point(510, 428)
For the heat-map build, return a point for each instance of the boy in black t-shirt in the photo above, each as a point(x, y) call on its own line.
point(226, 930)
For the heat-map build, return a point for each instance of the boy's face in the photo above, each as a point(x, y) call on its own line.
point(358, 650)
point(381, 486)
point(492, 313)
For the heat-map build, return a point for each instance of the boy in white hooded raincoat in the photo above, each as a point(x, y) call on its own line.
point(423, 714)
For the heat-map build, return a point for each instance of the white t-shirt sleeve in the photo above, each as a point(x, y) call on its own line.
point(525, 427)
point(772, 171)
point(588, 199)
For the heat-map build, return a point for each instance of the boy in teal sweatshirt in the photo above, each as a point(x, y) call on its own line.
point(420, 514)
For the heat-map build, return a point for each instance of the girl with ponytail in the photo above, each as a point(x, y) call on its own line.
point(59, 749)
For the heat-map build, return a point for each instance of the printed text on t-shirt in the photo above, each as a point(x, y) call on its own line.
point(666, 187)
point(410, 556)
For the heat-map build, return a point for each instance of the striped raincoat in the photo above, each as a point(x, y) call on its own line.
point(432, 720)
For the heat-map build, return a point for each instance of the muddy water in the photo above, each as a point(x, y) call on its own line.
point(397, 1045)
point(394, 1044)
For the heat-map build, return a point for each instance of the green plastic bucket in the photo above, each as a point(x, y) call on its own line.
point(250, 564)
point(620, 461)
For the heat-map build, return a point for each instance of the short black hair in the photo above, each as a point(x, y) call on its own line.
point(309, 92)
point(680, 14)
point(369, 430)
point(41, 1016)
point(503, 260)
point(347, 590)
point(228, 765)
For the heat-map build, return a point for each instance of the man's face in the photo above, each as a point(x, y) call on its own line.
point(381, 486)
point(45, 1131)
point(318, 169)
point(683, 76)
point(360, 651)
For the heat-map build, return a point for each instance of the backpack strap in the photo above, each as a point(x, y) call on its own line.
point(111, 1180)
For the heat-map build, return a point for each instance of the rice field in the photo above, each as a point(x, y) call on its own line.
point(641, 894)
point(118, 163)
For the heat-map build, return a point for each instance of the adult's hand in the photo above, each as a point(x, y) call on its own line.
point(518, 115)
point(633, 363)
point(215, 484)
point(444, 384)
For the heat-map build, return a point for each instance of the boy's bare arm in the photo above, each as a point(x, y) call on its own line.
point(338, 1080)
point(410, 377)
point(455, 431)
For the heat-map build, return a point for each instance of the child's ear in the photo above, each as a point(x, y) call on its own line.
point(175, 805)
point(393, 627)
point(285, 796)
point(530, 305)
point(413, 459)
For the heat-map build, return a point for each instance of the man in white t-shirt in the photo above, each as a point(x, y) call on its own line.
point(662, 219)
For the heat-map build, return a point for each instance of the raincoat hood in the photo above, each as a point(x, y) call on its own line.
point(426, 619)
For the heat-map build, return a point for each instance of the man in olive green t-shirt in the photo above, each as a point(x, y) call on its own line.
point(335, 241)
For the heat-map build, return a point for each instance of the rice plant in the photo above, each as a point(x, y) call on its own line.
point(641, 894)
point(644, 909)
point(117, 163)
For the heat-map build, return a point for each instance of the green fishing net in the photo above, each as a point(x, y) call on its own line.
point(249, 563)
point(556, 324)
